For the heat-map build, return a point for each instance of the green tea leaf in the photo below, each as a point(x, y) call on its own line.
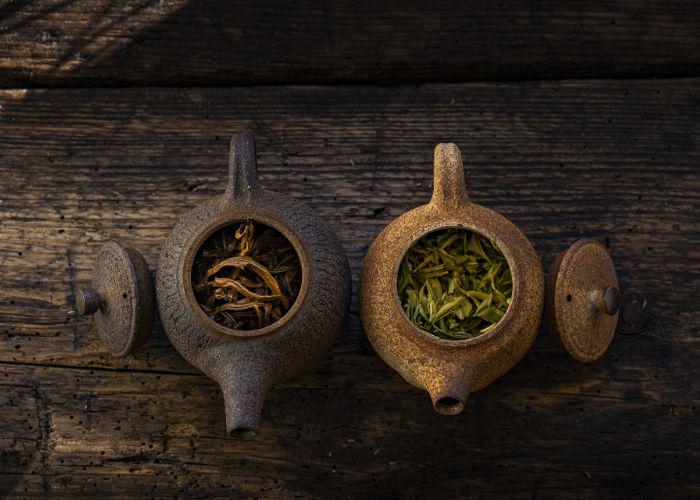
point(447, 307)
point(455, 284)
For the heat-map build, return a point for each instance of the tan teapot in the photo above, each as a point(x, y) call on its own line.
point(582, 296)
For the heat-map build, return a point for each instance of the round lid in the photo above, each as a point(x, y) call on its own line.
point(582, 300)
point(121, 298)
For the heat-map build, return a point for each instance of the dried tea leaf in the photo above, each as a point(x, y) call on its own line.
point(246, 276)
point(260, 270)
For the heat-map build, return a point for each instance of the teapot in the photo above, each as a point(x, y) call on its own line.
point(581, 295)
point(245, 363)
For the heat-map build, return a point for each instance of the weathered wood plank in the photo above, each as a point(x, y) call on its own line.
point(183, 42)
point(615, 160)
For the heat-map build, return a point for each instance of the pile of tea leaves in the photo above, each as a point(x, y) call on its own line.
point(246, 276)
point(455, 284)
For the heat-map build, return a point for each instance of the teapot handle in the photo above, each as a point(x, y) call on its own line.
point(242, 167)
point(449, 186)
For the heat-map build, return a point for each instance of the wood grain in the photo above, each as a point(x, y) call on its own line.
point(616, 161)
point(210, 42)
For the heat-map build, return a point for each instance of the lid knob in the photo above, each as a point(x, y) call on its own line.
point(87, 301)
point(611, 300)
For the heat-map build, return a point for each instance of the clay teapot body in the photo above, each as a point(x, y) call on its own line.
point(245, 363)
point(449, 369)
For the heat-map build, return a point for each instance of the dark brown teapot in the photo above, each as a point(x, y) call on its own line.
point(245, 363)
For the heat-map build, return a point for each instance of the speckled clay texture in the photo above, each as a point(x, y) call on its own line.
point(575, 312)
point(120, 297)
point(247, 363)
point(449, 369)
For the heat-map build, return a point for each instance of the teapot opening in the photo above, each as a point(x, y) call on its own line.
point(454, 284)
point(247, 277)
point(242, 432)
point(449, 406)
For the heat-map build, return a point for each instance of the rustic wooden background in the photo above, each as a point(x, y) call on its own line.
point(574, 119)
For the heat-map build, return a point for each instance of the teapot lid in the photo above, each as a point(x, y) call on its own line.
point(121, 298)
point(582, 300)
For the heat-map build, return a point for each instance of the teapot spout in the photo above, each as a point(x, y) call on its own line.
point(244, 397)
point(449, 394)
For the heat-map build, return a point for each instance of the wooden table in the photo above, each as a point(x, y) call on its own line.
point(114, 120)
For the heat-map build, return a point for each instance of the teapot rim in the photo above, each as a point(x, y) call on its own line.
point(200, 237)
point(462, 222)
